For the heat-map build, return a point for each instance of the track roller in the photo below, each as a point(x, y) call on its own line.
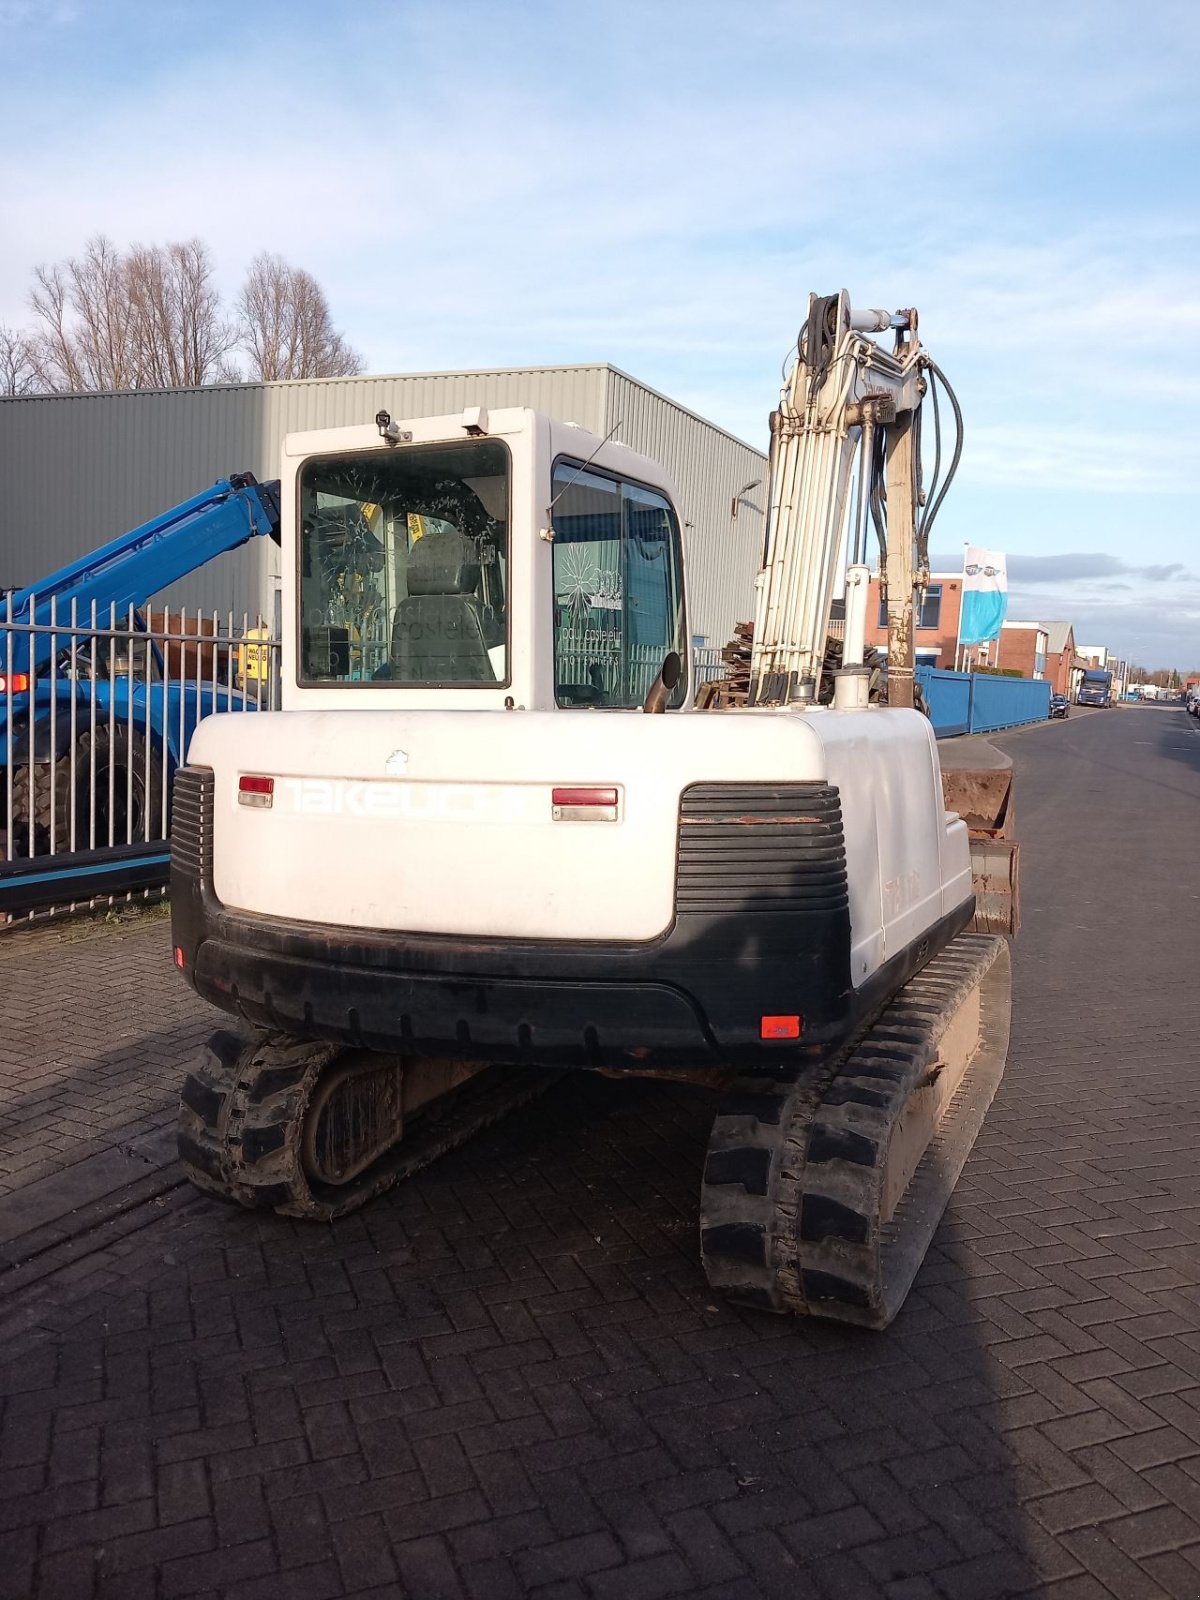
point(316, 1130)
point(822, 1193)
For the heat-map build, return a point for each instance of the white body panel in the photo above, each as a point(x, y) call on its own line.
point(441, 822)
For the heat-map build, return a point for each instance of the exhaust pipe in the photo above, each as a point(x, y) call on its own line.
point(660, 690)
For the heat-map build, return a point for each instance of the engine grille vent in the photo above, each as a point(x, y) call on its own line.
point(192, 823)
point(760, 847)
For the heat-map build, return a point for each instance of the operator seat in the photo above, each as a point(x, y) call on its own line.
point(437, 632)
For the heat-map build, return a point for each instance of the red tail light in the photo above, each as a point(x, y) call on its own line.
point(256, 791)
point(18, 682)
point(781, 1027)
point(585, 805)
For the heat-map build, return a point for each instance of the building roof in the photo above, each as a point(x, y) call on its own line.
point(1058, 633)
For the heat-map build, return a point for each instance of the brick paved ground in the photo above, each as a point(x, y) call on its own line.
point(508, 1378)
point(95, 1033)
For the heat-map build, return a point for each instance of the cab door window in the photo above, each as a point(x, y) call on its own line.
point(618, 589)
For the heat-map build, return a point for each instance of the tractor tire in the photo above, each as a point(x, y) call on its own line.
point(119, 752)
point(31, 817)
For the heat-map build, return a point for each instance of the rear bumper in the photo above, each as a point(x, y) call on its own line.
point(691, 999)
point(456, 1012)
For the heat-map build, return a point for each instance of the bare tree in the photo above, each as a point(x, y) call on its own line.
point(285, 325)
point(83, 336)
point(152, 318)
point(179, 336)
point(148, 319)
point(17, 374)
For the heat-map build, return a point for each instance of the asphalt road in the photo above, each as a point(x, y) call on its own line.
point(508, 1378)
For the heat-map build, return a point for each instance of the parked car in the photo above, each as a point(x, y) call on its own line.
point(1059, 705)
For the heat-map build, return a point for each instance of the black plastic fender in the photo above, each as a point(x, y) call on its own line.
point(43, 750)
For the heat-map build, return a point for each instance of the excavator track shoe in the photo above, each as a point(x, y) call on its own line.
point(314, 1130)
point(822, 1193)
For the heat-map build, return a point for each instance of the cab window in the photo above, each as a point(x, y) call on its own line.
point(403, 566)
point(618, 589)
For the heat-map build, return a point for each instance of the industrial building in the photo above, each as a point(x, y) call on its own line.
point(79, 469)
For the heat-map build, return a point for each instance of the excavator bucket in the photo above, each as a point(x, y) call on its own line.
point(977, 783)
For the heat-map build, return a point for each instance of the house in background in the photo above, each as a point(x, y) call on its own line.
point(1063, 668)
point(1040, 650)
point(1024, 648)
point(936, 620)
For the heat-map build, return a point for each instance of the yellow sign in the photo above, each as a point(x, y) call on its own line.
point(254, 657)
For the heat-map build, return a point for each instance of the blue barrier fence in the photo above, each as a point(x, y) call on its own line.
point(972, 702)
point(948, 695)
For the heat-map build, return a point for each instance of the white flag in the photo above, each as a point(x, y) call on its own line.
point(985, 595)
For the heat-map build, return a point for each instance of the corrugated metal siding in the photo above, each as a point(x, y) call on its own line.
point(76, 470)
point(575, 393)
point(709, 467)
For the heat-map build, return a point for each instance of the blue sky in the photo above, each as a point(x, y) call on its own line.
point(660, 184)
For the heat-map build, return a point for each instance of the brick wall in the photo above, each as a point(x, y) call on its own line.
point(1060, 669)
point(1019, 651)
point(942, 638)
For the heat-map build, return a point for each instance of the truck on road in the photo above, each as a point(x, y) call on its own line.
point(1095, 688)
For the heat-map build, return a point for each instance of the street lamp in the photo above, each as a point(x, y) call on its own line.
point(745, 489)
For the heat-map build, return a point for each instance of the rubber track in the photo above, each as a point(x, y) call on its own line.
point(241, 1120)
point(794, 1178)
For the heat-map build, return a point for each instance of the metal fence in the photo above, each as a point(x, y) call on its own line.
point(708, 664)
point(96, 715)
point(621, 671)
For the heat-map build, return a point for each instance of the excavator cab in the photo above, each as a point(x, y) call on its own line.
point(479, 559)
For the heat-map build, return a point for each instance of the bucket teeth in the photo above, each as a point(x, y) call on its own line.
point(821, 1196)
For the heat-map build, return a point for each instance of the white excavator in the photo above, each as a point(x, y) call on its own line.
point(490, 837)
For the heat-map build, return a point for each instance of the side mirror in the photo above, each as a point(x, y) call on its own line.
point(660, 690)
